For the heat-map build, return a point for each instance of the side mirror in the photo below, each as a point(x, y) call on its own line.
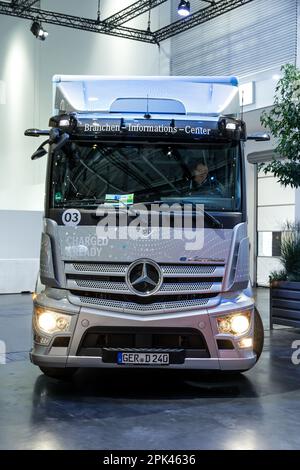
point(259, 137)
point(55, 139)
point(40, 152)
point(35, 132)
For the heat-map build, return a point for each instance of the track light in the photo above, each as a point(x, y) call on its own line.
point(38, 31)
point(184, 8)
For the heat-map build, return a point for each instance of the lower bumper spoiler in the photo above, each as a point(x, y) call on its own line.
point(236, 364)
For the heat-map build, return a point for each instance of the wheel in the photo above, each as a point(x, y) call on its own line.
point(258, 334)
point(59, 373)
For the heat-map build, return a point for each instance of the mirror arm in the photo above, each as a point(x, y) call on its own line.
point(56, 139)
point(36, 155)
point(259, 137)
point(60, 142)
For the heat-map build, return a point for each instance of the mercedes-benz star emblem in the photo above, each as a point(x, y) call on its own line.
point(144, 277)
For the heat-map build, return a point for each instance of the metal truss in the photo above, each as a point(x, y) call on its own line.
point(113, 25)
point(76, 22)
point(134, 10)
point(23, 4)
point(201, 16)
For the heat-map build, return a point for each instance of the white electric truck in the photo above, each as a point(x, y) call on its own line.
point(144, 252)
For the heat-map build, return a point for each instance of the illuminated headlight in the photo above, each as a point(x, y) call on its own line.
point(50, 321)
point(237, 324)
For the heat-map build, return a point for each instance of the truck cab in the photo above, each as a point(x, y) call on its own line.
point(145, 253)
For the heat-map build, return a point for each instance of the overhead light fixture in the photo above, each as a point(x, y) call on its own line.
point(184, 8)
point(99, 12)
point(38, 31)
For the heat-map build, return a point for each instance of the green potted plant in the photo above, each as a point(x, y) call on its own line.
point(282, 121)
point(285, 284)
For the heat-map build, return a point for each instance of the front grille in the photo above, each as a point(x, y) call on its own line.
point(184, 286)
point(167, 287)
point(102, 285)
point(193, 287)
point(96, 339)
point(131, 307)
point(167, 269)
point(193, 270)
point(100, 268)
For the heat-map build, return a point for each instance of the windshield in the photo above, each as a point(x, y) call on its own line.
point(86, 174)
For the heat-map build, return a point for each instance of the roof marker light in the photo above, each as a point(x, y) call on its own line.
point(64, 122)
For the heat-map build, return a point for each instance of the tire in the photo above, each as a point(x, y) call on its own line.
point(259, 334)
point(59, 373)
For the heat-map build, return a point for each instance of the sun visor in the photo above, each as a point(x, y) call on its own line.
point(210, 96)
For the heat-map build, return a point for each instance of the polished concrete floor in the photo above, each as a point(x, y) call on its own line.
point(121, 410)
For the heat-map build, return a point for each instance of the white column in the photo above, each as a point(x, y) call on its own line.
point(297, 205)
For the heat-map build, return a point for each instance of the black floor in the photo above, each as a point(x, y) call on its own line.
point(121, 410)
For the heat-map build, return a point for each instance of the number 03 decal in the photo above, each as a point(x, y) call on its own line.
point(71, 217)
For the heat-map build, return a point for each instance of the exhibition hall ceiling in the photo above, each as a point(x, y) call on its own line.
point(117, 24)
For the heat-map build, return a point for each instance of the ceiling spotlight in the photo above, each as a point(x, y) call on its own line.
point(38, 31)
point(184, 8)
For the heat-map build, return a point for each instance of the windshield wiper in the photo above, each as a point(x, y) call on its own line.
point(90, 203)
point(79, 202)
point(215, 223)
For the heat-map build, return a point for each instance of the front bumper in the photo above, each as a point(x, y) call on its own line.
point(203, 320)
point(223, 364)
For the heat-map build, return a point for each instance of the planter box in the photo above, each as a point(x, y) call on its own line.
point(285, 304)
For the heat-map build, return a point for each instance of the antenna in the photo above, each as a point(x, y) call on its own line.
point(147, 115)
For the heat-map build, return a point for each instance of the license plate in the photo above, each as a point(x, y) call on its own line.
point(158, 359)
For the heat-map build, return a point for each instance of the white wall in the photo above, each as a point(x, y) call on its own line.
point(19, 250)
point(26, 69)
point(265, 82)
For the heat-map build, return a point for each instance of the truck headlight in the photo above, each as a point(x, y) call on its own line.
point(50, 321)
point(236, 324)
